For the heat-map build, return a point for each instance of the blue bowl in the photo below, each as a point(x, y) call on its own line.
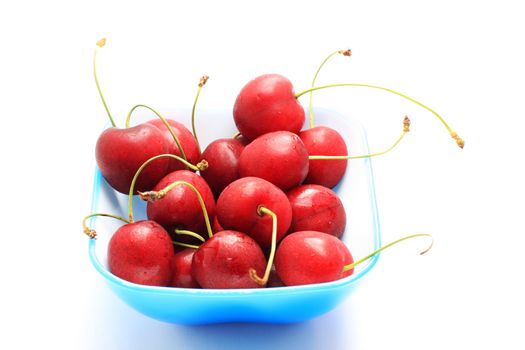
point(265, 305)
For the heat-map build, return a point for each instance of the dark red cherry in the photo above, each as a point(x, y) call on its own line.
point(266, 104)
point(225, 260)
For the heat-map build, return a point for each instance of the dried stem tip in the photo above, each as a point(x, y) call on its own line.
point(458, 139)
point(152, 196)
point(101, 42)
point(346, 52)
point(203, 80)
point(91, 233)
point(202, 165)
point(406, 124)
point(255, 278)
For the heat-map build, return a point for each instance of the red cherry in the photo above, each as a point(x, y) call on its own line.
point(238, 209)
point(186, 139)
point(308, 257)
point(141, 252)
point(317, 208)
point(223, 163)
point(120, 152)
point(181, 270)
point(279, 157)
point(225, 261)
point(267, 104)
point(324, 141)
point(180, 208)
point(216, 225)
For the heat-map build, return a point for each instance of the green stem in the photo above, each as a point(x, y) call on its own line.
point(310, 108)
point(152, 196)
point(100, 44)
point(92, 233)
point(354, 264)
point(203, 81)
point(185, 245)
point(253, 274)
point(189, 233)
point(454, 135)
point(164, 121)
point(139, 170)
point(406, 124)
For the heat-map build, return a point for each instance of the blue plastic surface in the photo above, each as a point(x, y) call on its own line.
point(267, 305)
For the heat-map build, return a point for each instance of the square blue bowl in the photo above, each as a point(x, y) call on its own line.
point(264, 305)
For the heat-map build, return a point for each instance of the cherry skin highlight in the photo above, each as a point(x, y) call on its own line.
point(238, 209)
point(180, 208)
point(317, 208)
point(266, 104)
point(308, 257)
point(181, 270)
point(141, 252)
point(324, 141)
point(222, 156)
point(224, 261)
point(120, 152)
point(279, 157)
point(186, 139)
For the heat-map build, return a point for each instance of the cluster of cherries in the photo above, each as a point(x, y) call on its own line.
point(226, 217)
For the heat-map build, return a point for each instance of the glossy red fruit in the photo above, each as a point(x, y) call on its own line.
point(222, 156)
point(216, 225)
point(238, 204)
point(279, 157)
point(186, 139)
point(225, 260)
point(317, 208)
point(266, 104)
point(324, 141)
point(180, 208)
point(141, 252)
point(308, 257)
point(120, 152)
point(181, 270)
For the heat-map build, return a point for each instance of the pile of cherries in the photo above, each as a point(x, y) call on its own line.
point(226, 217)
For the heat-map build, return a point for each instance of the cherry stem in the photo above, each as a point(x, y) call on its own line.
point(203, 81)
point(185, 245)
point(92, 233)
point(310, 109)
point(406, 128)
point(253, 274)
point(175, 138)
point(189, 233)
point(351, 266)
point(200, 166)
point(101, 44)
point(152, 196)
point(453, 134)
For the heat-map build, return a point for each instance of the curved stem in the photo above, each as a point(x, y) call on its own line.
point(168, 126)
point(203, 81)
point(152, 196)
point(310, 110)
point(253, 274)
point(100, 44)
point(406, 124)
point(453, 134)
point(189, 233)
point(351, 266)
point(92, 233)
point(139, 170)
point(185, 245)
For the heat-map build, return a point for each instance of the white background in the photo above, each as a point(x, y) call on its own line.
point(465, 59)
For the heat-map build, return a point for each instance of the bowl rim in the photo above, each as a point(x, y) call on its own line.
point(309, 288)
